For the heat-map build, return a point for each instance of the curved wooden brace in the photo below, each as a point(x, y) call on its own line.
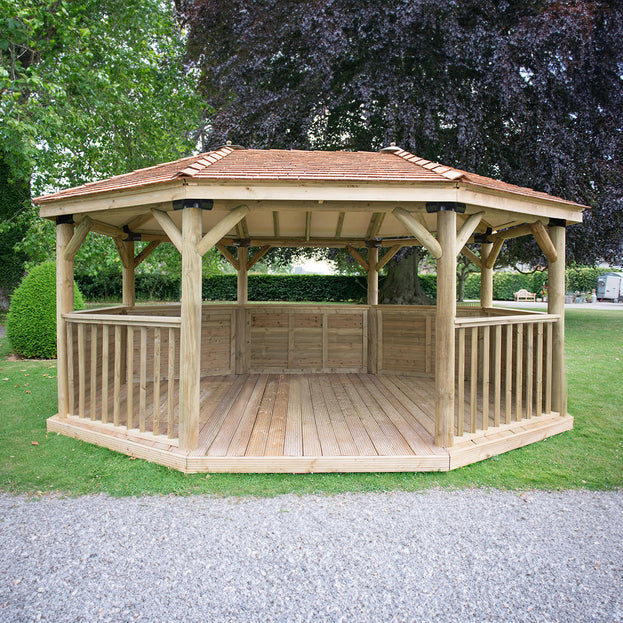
point(419, 231)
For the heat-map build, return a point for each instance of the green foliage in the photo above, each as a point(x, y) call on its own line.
point(31, 323)
point(579, 279)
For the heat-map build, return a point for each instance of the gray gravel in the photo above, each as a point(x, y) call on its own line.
point(437, 556)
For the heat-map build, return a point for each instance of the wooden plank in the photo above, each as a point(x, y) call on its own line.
point(130, 378)
point(93, 370)
point(157, 380)
point(473, 395)
point(311, 441)
point(325, 341)
point(259, 434)
point(171, 383)
point(429, 345)
point(215, 419)
point(340, 224)
point(548, 369)
point(358, 431)
point(485, 376)
point(116, 400)
point(460, 377)
point(142, 387)
point(497, 376)
point(231, 421)
point(508, 383)
point(326, 435)
point(105, 368)
point(240, 440)
point(539, 369)
point(519, 374)
point(343, 435)
point(81, 370)
point(276, 223)
point(71, 389)
point(529, 368)
point(277, 431)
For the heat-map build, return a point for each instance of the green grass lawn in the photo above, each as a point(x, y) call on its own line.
point(591, 456)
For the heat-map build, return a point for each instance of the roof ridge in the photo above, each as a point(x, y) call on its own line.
point(205, 160)
point(440, 169)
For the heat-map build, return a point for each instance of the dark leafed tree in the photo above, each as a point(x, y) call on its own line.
point(528, 91)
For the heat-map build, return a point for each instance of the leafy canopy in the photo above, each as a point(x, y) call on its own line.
point(528, 91)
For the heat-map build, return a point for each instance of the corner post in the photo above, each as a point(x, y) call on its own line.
point(242, 300)
point(444, 333)
point(64, 304)
point(129, 298)
point(190, 346)
point(556, 305)
point(373, 301)
point(486, 276)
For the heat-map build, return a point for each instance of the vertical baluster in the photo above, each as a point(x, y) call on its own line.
point(519, 373)
point(473, 396)
point(529, 368)
point(71, 399)
point(548, 369)
point(142, 391)
point(539, 369)
point(81, 369)
point(509, 374)
point(171, 384)
point(93, 367)
point(460, 376)
point(130, 379)
point(485, 377)
point(116, 393)
point(105, 353)
point(498, 375)
point(156, 428)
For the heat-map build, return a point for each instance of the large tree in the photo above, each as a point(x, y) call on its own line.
point(87, 90)
point(528, 91)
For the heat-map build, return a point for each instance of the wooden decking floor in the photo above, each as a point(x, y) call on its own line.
point(316, 422)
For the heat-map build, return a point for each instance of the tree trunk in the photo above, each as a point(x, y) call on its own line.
point(402, 285)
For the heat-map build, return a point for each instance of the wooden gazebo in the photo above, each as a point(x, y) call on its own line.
point(265, 387)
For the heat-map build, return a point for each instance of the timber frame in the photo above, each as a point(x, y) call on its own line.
point(297, 388)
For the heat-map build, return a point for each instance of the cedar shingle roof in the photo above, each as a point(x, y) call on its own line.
point(228, 163)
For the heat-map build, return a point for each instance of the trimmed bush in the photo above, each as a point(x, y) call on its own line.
point(31, 323)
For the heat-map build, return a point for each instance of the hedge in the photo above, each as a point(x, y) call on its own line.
point(318, 288)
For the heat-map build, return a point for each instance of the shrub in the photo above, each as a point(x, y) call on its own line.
point(31, 323)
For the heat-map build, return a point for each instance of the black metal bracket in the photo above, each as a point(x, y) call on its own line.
point(483, 238)
point(132, 236)
point(374, 244)
point(65, 219)
point(242, 242)
point(202, 204)
point(445, 206)
point(557, 222)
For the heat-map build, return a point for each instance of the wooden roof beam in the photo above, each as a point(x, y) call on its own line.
point(169, 227)
point(79, 236)
point(221, 228)
point(419, 231)
point(358, 257)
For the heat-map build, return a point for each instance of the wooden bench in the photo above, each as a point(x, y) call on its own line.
point(524, 295)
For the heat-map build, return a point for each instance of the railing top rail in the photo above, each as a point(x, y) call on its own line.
point(490, 321)
point(101, 310)
point(111, 319)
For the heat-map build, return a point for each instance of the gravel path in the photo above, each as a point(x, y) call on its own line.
point(437, 556)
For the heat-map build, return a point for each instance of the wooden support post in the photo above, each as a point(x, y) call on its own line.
point(556, 305)
point(190, 347)
point(64, 304)
point(446, 314)
point(486, 276)
point(373, 301)
point(129, 297)
point(243, 299)
point(373, 275)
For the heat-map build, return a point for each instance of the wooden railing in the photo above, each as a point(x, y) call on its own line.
point(503, 369)
point(124, 369)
